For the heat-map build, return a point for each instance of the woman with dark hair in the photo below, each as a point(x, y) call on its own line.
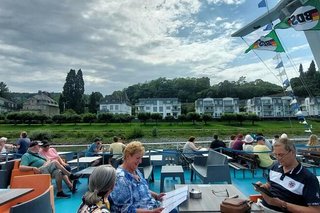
point(190, 149)
point(101, 183)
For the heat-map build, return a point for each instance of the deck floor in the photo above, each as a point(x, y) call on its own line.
point(244, 185)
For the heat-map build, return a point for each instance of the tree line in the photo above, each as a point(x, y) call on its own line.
point(187, 90)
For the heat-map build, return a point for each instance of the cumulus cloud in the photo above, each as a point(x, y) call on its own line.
point(120, 43)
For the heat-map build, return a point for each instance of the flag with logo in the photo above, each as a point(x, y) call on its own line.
point(269, 42)
point(303, 18)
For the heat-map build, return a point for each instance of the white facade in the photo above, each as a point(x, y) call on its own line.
point(6, 105)
point(217, 106)
point(312, 106)
point(164, 106)
point(116, 108)
point(268, 107)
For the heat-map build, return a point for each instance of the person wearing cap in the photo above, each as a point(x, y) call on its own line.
point(94, 148)
point(33, 161)
point(266, 141)
point(294, 188)
point(51, 154)
point(263, 153)
point(247, 146)
point(22, 144)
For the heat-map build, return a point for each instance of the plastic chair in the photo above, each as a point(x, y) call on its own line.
point(16, 171)
point(40, 203)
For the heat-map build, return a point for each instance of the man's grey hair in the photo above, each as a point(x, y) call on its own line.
point(287, 143)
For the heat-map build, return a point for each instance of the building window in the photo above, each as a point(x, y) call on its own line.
point(154, 109)
point(111, 107)
point(116, 107)
point(161, 109)
point(147, 108)
point(168, 107)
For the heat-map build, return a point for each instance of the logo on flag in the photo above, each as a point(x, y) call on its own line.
point(269, 42)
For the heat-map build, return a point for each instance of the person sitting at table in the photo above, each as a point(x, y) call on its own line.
point(116, 149)
point(101, 183)
point(238, 142)
point(131, 192)
point(94, 148)
point(33, 161)
point(189, 149)
point(294, 188)
point(216, 143)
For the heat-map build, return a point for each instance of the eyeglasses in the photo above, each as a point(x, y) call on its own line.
point(281, 156)
point(222, 193)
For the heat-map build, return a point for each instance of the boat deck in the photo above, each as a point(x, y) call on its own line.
point(244, 185)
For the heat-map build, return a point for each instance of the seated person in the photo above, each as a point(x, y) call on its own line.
point(216, 143)
point(51, 154)
point(312, 142)
point(189, 149)
point(22, 144)
point(238, 142)
point(33, 161)
point(94, 148)
point(116, 148)
point(294, 187)
point(4, 147)
point(263, 153)
point(247, 146)
point(131, 192)
point(101, 183)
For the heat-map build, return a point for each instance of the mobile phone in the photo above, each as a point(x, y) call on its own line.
point(263, 190)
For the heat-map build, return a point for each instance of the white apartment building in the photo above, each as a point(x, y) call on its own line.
point(41, 103)
point(115, 107)
point(312, 106)
point(216, 106)
point(164, 106)
point(269, 107)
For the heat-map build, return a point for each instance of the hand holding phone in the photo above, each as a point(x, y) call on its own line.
point(263, 190)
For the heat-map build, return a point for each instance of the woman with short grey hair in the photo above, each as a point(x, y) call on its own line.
point(101, 183)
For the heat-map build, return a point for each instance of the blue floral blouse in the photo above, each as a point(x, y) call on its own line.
point(130, 194)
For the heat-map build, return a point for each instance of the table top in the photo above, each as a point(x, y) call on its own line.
point(85, 159)
point(212, 197)
point(64, 153)
point(9, 194)
point(171, 169)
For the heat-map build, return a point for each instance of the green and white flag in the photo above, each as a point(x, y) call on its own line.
point(269, 42)
point(303, 18)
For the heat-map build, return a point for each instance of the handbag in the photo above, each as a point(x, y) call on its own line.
point(234, 205)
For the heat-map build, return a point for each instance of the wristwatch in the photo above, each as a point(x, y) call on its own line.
point(284, 205)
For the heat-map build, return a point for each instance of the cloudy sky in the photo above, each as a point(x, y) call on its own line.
point(118, 43)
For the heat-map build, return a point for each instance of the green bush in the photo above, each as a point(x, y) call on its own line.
point(135, 133)
point(154, 132)
point(41, 135)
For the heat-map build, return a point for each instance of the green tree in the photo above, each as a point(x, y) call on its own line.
point(73, 90)
point(228, 117)
point(192, 116)
point(169, 118)
point(105, 117)
point(206, 118)
point(94, 100)
point(156, 117)
point(252, 117)
point(59, 119)
point(143, 117)
point(4, 90)
point(241, 117)
point(182, 118)
point(88, 118)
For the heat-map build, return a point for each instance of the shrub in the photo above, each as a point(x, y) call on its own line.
point(154, 132)
point(41, 135)
point(136, 133)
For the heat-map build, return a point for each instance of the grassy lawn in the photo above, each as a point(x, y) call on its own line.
point(84, 133)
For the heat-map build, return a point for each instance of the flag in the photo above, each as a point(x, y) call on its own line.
point(286, 83)
point(268, 27)
point(262, 3)
point(281, 73)
point(306, 17)
point(289, 89)
point(269, 42)
point(295, 106)
point(294, 101)
point(279, 65)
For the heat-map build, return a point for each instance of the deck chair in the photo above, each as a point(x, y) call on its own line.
point(5, 174)
point(40, 203)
